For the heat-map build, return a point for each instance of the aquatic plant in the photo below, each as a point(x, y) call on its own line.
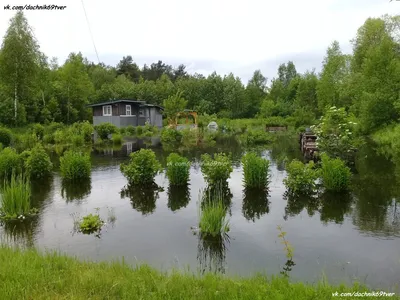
point(255, 170)
point(177, 169)
point(105, 129)
point(335, 174)
point(116, 139)
point(9, 161)
point(257, 137)
point(5, 136)
point(15, 198)
point(38, 163)
point(217, 169)
point(111, 215)
point(213, 219)
point(130, 130)
point(171, 136)
point(301, 178)
point(91, 223)
point(142, 167)
point(288, 248)
point(75, 165)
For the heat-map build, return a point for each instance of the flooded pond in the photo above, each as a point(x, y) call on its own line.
point(346, 238)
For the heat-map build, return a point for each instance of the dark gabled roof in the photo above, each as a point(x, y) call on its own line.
point(117, 101)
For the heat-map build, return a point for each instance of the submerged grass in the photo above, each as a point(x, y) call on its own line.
point(32, 275)
point(15, 197)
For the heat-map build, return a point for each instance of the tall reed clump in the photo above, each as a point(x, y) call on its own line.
point(15, 197)
point(142, 167)
point(213, 221)
point(301, 178)
point(256, 171)
point(75, 165)
point(335, 174)
point(216, 170)
point(10, 161)
point(177, 169)
point(38, 163)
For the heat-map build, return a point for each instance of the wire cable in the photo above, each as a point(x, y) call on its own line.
point(90, 31)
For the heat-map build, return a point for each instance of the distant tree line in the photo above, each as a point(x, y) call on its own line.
point(34, 88)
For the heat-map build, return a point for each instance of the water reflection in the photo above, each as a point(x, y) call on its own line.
point(211, 253)
point(40, 192)
point(72, 191)
point(20, 233)
point(255, 204)
point(334, 206)
point(219, 191)
point(296, 204)
point(178, 197)
point(143, 199)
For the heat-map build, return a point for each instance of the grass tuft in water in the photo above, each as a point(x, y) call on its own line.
point(255, 170)
point(335, 174)
point(177, 169)
point(15, 198)
point(75, 165)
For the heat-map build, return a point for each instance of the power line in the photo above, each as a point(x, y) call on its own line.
point(90, 31)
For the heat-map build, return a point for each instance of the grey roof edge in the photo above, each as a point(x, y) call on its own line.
point(116, 101)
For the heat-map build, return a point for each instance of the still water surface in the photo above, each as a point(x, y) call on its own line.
point(347, 237)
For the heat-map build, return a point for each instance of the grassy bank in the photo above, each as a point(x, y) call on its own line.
point(30, 275)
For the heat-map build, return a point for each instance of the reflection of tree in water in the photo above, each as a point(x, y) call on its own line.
point(286, 147)
point(335, 206)
point(143, 198)
point(376, 186)
point(255, 203)
point(77, 190)
point(20, 233)
point(178, 197)
point(211, 253)
point(296, 204)
point(40, 192)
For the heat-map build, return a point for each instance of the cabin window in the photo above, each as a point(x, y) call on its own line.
point(141, 113)
point(107, 110)
point(128, 110)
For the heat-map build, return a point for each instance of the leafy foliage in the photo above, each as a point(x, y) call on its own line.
point(10, 162)
point(335, 174)
point(104, 129)
point(142, 167)
point(216, 170)
point(5, 136)
point(91, 223)
point(38, 163)
point(177, 169)
point(75, 165)
point(255, 171)
point(301, 178)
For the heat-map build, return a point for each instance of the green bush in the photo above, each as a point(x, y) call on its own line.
point(38, 129)
point(75, 165)
point(257, 137)
point(15, 199)
point(83, 129)
point(5, 136)
point(301, 178)
point(77, 140)
point(256, 171)
point(216, 170)
point(104, 129)
point(9, 161)
point(142, 167)
point(171, 136)
point(177, 169)
point(38, 163)
point(335, 174)
point(130, 130)
point(139, 130)
point(117, 139)
point(91, 223)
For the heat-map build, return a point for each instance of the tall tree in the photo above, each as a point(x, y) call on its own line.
point(255, 93)
point(129, 68)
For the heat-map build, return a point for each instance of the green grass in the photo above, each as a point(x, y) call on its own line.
point(15, 197)
point(31, 275)
point(335, 174)
point(255, 171)
point(177, 169)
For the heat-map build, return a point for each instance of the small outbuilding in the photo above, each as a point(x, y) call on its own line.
point(124, 113)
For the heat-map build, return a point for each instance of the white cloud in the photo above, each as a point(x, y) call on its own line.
point(233, 34)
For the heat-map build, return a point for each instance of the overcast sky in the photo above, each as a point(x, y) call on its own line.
point(236, 36)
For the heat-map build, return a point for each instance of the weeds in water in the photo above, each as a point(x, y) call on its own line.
point(256, 171)
point(301, 178)
point(111, 215)
point(213, 219)
point(142, 167)
point(75, 165)
point(116, 139)
point(177, 169)
point(89, 224)
point(10, 162)
point(15, 198)
point(288, 250)
point(335, 174)
point(216, 170)
point(38, 163)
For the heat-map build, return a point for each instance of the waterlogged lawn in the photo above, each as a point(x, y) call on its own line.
point(31, 275)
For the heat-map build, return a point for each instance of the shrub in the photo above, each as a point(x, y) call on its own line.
point(142, 167)
point(139, 130)
point(15, 198)
point(117, 138)
point(75, 165)
point(335, 174)
point(301, 177)
point(177, 169)
point(104, 129)
point(84, 129)
point(91, 223)
point(213, 220)
point(25, 141)
point(256, 170)
point(171, 136)
point(38, 130)
point(9, 161)
point(216, 170)
point(130, 130)
point(5, 136)
point(38, 163)
point(77, 140)
point(257, 137)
